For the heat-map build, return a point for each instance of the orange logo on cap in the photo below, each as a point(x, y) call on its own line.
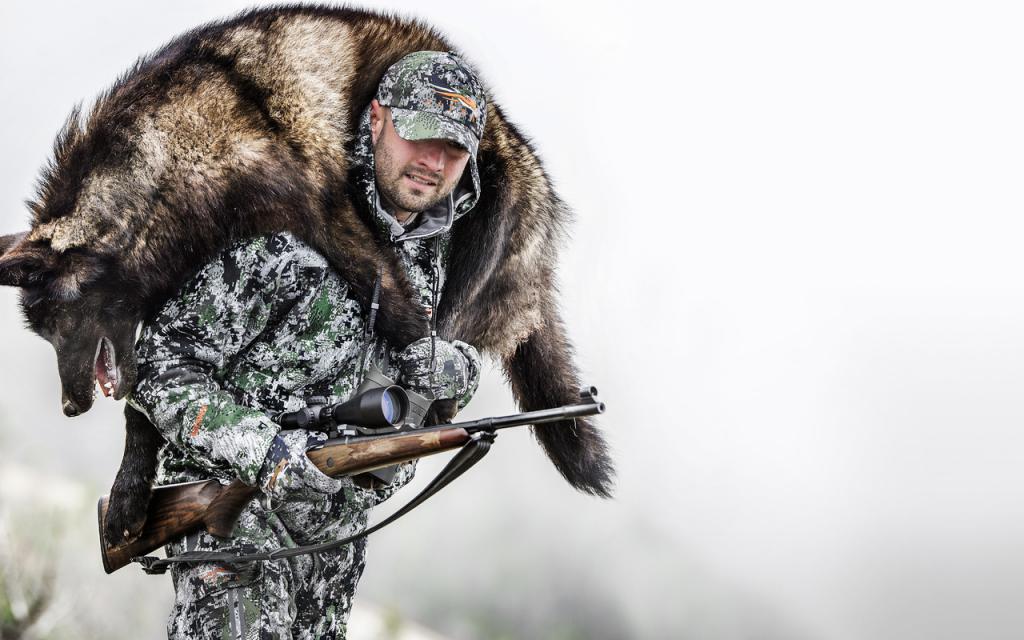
point(451, 95)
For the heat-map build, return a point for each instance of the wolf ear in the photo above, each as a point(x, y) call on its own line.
point(20, 265)
point(11, 239)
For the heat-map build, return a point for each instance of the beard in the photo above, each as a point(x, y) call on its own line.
point(397, 191)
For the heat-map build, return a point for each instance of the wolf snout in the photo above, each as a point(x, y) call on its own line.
point(70, 408)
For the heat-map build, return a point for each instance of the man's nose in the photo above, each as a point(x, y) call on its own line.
point(432, 155)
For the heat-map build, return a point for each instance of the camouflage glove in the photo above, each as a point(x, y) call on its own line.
point(287, 473)
point(454, 371)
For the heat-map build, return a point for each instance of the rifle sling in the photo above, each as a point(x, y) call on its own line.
point(470, 453)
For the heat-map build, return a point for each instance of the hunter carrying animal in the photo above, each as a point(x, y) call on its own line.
point(258, 129)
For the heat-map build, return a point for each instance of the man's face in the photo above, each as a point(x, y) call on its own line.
point(413, 175)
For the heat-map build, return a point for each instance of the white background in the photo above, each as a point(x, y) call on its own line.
point(795, 278)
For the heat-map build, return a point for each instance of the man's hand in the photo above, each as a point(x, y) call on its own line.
point(288, 473)
point(452, 372)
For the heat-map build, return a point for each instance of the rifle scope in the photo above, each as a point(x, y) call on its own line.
point(375, 408)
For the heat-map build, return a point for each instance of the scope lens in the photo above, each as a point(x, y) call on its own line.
point(392, 406)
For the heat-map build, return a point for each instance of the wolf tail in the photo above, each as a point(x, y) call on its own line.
point(542, 375)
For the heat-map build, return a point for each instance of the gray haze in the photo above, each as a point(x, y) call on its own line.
point(795, 278)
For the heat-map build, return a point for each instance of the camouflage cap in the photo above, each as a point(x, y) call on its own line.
point(432, 94)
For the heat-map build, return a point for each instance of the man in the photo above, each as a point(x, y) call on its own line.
point(267, 325)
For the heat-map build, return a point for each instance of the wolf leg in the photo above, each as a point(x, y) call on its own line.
point(129, 497)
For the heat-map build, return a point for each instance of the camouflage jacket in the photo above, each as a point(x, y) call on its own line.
point(255, 332)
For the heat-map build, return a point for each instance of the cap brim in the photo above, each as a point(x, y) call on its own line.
point(418, 125)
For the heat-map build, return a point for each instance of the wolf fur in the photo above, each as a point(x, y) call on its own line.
point(245, 127)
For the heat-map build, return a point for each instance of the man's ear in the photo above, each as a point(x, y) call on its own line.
point(376, 120)
point(22, 263)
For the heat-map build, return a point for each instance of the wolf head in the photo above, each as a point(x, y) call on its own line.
point(70, 266)
point(126, 210)
point(69, 299)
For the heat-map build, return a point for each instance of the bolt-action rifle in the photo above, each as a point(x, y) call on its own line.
point(376, 429)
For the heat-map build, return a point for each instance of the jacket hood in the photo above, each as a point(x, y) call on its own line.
point(438, 219)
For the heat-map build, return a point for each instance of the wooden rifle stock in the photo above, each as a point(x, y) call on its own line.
point(178, 510)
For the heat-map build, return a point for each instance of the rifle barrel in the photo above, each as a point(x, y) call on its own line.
point(542, 416)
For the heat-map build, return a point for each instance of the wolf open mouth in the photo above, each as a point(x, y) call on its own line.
point(105, 367)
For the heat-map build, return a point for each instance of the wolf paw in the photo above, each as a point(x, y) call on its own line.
point(126, 513)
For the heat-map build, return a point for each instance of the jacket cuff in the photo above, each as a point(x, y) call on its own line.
point(242, 443)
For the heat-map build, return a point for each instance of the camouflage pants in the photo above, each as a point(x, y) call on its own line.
point(305, 597)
